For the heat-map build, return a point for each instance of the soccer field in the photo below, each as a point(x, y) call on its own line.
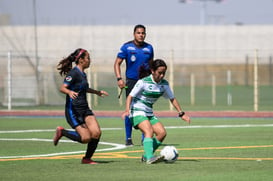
point(209, 149)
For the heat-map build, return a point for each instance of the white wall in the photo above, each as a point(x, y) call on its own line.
point(186, 44)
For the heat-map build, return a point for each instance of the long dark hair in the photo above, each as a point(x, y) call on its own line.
point(145, 69)
point(65, 65)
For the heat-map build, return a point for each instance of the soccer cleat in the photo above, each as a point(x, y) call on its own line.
point(129, 142)
point(155, 159)
point(88, 161)
point(58, 135)
point(143, 159)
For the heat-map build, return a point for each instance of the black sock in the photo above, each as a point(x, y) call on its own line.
point(91, 148)
point(73, 135)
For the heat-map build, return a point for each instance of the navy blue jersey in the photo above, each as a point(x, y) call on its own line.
point(77, 82)
point(135, 57)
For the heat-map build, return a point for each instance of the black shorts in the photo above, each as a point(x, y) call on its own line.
point(130, 83)
point(77, 117)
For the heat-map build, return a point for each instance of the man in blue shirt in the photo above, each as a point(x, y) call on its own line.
point(136, 53)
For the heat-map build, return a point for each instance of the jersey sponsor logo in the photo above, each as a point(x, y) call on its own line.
point(146, 49)
point(68, 78)
point(131, 48)
point(133, 58)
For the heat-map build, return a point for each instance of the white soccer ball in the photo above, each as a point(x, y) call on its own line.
point(170, 154)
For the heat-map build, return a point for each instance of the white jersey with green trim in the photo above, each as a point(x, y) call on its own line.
point(145, 93)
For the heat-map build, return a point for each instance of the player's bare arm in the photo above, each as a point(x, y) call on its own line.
point(100, 93)
point(117, 71)
point(65, 90)
point(181, 114)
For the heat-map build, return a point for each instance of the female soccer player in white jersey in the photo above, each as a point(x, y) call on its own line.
point(139, 105)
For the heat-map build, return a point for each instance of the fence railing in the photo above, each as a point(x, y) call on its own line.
point(202, 86)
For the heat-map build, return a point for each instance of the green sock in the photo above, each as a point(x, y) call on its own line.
point(148, 148)
point(156, 144)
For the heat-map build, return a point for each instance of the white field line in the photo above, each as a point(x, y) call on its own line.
point(115, 146)
point(221, 126)
point(167, 127)
point(47, 130)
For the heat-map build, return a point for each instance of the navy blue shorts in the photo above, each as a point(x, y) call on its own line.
point(77, 117)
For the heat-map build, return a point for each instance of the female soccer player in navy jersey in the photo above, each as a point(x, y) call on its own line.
point(139, 108)
point(77, 112)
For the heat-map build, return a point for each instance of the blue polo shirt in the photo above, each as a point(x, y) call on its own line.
point(135, 56)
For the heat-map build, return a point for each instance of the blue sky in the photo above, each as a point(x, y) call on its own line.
point(130, 12)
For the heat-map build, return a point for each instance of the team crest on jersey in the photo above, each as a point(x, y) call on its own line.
point(68, 78)
point(133, 58)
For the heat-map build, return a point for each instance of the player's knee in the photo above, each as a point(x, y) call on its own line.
point(165, 133)
point(148, 133)
point(86, 139)
point(162, 134)
point(96, 134)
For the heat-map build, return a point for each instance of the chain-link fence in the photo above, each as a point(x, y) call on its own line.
point(26, 81)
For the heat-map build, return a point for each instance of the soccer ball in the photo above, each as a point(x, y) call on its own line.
point(170, 154)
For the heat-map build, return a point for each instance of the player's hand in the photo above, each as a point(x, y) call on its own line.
point(186, 118)
point(73, 95)
point(126, 113)
point(103, 93)
point(121, 84)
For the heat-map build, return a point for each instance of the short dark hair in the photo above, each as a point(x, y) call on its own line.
point(158, 63)
point(145, 69)
point(139, 26)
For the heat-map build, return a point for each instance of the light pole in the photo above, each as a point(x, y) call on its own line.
point(35, 33)
point(203, 8)
point(37, 73)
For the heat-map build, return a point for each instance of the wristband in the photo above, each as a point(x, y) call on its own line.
point(119, 78)
point(180, 114)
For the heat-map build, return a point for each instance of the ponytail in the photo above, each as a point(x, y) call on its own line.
point(65, 65)
point(144, 71)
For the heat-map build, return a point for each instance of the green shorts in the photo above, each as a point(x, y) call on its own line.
point(138, 119)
